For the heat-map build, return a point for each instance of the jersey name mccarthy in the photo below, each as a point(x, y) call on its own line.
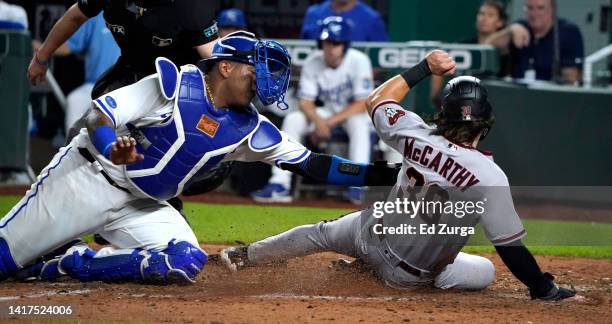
point(435, 160)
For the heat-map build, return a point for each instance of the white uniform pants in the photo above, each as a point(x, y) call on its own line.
point(78, 102)
point(71, 198)
point(357, 127)
point(343, 236)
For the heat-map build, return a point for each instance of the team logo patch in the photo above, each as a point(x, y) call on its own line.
point(393, 114)
point(466, 112)
point(116, 28)
point(110, 101)
point(211, 31)
point(208, 126)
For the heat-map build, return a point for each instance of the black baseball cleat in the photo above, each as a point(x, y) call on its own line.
point(234, 258)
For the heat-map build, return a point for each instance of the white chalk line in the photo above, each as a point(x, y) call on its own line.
point(47, 294)
point(323, 297)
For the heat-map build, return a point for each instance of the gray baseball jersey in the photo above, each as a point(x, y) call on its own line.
point(432, 161)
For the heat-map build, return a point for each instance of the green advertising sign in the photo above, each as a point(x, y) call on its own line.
point(475, 59)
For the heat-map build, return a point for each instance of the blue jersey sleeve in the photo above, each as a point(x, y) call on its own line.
point(79, 41)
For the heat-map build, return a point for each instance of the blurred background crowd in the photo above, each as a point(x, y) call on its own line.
point(545, 62)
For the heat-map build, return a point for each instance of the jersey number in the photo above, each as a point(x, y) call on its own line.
point(433, 192)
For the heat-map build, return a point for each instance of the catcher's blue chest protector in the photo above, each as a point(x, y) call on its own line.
point(194, 139)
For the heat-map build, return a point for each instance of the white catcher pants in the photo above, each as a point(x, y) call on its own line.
point(343, 236)
point(71, 198)
point(357, 127)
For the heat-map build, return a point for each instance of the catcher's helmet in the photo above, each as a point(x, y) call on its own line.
point(337, 29)
point(271, 60)
point(231, 18)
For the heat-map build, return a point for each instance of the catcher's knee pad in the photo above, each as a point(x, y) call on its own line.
point(7, 264)
point(179, 263)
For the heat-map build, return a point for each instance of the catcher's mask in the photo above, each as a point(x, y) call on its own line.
point(271, 60)
point(464, 100)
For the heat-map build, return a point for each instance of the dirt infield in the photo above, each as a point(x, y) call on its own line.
point(306, 290)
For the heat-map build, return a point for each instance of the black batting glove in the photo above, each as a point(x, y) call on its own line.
point(556, 293)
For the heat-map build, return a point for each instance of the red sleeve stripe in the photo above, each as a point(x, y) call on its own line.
point(510, 238)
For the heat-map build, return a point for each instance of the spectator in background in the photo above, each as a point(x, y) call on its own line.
point(12, 16)
point(95, 42)
point(539, 49)
point(367, 23)
point(491, 18)
point(230, 20)
point(341, 78)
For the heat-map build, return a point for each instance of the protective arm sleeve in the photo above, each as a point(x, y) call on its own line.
point(336, 170)
point(524, 267)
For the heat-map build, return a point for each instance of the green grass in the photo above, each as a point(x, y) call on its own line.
point(226, 223)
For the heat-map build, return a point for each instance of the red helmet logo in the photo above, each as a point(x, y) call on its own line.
point(466, 112)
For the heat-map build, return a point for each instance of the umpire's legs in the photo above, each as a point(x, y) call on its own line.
point(340, 236)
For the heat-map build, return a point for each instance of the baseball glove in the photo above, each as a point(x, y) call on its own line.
point(210, 180)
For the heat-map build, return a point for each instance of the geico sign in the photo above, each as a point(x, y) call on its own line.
point(407, 57)
point(300, 53)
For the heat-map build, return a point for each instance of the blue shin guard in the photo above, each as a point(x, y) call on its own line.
point(7, 264)
point(179, 263)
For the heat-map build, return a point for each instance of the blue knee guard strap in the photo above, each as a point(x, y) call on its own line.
point(179, 263)
point(7, 264)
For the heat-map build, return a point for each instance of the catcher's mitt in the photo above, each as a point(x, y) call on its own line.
point(210, 180)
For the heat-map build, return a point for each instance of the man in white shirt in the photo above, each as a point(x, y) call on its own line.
point(341, 78)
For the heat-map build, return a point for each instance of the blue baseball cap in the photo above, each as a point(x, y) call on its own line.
point(231, 18)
